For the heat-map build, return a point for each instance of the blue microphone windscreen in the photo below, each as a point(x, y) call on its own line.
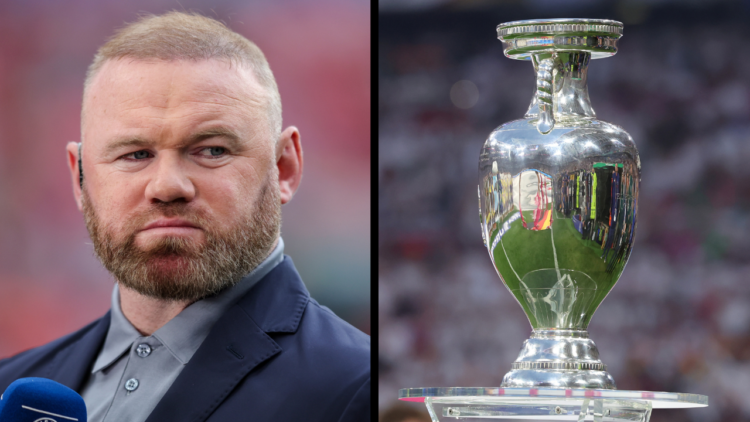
point(41, 400)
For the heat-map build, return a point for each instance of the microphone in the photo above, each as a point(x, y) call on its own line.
point(41, 400)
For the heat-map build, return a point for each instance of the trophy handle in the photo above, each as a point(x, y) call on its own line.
point(544, 86)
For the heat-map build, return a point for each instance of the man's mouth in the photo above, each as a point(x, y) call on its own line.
point(170, 226)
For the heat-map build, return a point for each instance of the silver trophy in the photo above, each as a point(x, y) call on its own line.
point(558, 203)
point(558, 192)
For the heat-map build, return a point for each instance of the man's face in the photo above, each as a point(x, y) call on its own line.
point(181, 193)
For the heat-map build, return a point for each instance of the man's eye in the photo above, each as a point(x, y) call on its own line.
point(138, 155)
point(214, 151)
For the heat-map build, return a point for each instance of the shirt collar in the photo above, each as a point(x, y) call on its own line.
point(184, 333)
point(120, 336)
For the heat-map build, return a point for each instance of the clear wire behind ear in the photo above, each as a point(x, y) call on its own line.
point(80, 169)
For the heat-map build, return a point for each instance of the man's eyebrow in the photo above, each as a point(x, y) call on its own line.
point(126, 142)
point(232, 138)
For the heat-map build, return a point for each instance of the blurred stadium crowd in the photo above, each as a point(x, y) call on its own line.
point(679, 319)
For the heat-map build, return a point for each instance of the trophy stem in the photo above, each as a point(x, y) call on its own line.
point(562, 86)
point(553, 358)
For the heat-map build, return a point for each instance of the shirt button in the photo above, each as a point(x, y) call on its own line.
point(143, 350)
point(131, 384)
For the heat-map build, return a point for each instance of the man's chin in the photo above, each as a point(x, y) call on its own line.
point(168, 277)
point(167, 265)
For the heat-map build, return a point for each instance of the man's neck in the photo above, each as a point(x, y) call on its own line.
point(148, 314)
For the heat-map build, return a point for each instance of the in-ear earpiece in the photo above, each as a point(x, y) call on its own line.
point(80, 169)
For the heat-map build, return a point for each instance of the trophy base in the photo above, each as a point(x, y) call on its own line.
point(559, 359)
point(551, 404)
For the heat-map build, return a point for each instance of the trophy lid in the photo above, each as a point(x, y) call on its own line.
point(522, 39)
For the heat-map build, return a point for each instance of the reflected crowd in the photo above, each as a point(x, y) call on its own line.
point(679, 317)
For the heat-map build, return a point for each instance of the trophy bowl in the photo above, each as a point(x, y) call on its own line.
point(558, 200)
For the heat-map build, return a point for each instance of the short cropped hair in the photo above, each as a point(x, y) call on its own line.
point(188, 36)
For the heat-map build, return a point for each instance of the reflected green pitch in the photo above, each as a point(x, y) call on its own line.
point(559, 225)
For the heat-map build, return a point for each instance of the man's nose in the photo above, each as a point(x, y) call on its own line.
point(170, 181)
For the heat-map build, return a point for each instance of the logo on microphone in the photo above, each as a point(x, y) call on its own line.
point(47, 418)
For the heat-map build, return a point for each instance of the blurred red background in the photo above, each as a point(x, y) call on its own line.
point(50, 282)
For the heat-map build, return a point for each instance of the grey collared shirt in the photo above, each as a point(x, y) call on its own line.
point(133, 372)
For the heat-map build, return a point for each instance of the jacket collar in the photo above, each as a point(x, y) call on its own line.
point(277, 302)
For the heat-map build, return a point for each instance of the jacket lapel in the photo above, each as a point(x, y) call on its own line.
point(237, 343)
point(72, 364)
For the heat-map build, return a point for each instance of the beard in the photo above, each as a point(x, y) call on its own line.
point(181, 269)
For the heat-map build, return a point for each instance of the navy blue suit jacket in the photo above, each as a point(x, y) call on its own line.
point(276, 355)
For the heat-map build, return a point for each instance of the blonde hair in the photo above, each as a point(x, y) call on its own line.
point(188, 36)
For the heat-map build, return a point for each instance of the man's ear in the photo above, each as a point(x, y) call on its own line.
point(289, 162)
point(72, 149)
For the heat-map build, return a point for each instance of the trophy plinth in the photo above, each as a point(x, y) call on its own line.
point(471, 403)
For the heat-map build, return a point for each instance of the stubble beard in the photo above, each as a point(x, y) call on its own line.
point(181, 269)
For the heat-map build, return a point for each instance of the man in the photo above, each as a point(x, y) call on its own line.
point(180, 174)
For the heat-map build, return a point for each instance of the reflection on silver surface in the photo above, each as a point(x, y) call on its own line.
point(525, 39)
point(558, 195)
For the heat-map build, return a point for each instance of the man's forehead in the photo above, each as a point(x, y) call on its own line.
point(148, 97)
point(124, 80)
